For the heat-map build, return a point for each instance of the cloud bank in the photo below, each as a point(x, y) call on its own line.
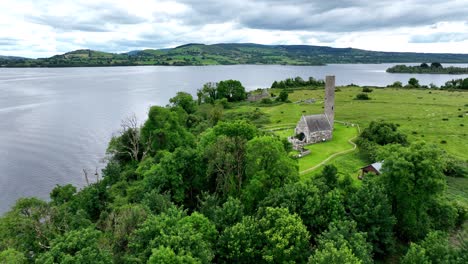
point(39, 28)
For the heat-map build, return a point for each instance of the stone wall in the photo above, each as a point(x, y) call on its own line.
point(319, 136)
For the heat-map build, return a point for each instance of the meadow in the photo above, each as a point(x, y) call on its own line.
point(434, 116)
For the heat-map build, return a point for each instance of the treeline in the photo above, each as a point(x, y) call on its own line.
point(413, 83)
point(435, 68)
point(297, 82)
point(195, 185)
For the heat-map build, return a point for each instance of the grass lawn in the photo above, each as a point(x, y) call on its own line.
point(321, 151)
point(458, 189)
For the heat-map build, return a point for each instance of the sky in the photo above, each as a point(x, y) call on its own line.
point(42, 28)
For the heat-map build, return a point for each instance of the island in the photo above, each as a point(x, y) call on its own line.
point(228, 54)
point(433, 68)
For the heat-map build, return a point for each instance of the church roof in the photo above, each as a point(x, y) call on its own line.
point(317, 122)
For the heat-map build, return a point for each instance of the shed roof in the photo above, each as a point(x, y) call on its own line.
point(377, 166)
point(317, 122)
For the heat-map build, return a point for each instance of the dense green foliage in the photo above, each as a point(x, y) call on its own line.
point(229, 53)
point(230, 90)
point(297, 82)
point(193, 185)
point(435, 68)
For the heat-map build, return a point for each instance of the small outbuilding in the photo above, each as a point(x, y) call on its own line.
point(374, 168)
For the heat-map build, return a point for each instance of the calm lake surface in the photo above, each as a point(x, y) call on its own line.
point(56, 122)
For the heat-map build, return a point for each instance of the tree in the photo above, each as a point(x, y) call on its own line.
point(424, 65)
point(380, 133)
point(344, 234)
point(397, 84)
point(185, 101)
point(241, 243)
point(329, 254)
point(11, 256)
point(77, 246)
point(283, 96)
point(165, 255)
point(268, 166)
point(121, 223)
point(286, 238)
point(415, 255)
point(164, 130)
point(433, 249)
point(362, 96)
point(232, 90)
point(177, 173)
point(413, 82)
point(128, 144)
point(436, 65)
point(370, 208)
point(62, 194)
point(27, 227)
point(192, 235)
point(330, 175)
point(413, 178)
point(274, 236)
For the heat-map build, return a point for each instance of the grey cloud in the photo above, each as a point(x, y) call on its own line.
point(439, 37)
point(97, 19)
point(8, 42)
point(332, 16)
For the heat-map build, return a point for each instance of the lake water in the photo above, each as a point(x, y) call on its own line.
point(56, 122)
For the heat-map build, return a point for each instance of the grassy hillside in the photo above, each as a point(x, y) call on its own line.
point(226, 54)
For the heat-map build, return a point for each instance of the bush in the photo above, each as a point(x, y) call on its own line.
point(362, 96)
point(367, 90)
point(266, 101)
point(283, 96)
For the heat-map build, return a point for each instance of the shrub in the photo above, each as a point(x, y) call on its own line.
point(367, 90)
point(443, 142)
point(362, 96)
point(266, 101)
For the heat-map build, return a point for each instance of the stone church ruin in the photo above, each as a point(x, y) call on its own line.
point(317, 128)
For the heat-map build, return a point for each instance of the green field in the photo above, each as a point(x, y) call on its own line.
point(432, 116)
point(439, 117)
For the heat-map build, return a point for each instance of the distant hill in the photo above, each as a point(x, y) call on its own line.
point(11, 58)
point(232, 53)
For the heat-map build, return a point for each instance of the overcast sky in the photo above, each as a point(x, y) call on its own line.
point(40, 28)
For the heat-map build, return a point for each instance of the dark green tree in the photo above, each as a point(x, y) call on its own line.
point(164, 130)
point(274, 236)
point(268, 166)
point(329, 254)
point(413, 82)
point(77, 246)
point(232, 90)
point(370, 208)
point(11, 256)
point(192, 235)
point(414, 179)
point(344, 234)
point(185, 101)
point(165, 255)
point(283, 96)
point(62, 194)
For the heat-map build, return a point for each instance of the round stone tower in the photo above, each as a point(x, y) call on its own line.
point(330, 98)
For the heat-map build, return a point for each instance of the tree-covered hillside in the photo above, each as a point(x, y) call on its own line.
point(226, 54)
